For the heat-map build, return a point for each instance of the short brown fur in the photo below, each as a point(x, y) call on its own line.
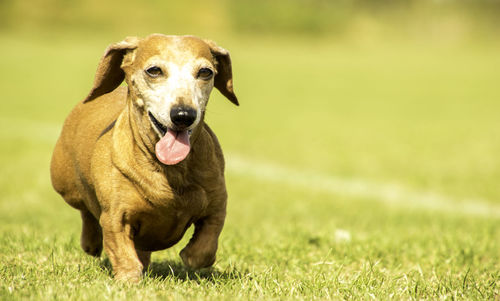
point(104, 165)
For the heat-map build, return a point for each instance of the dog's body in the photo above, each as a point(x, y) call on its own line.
point(139, 162)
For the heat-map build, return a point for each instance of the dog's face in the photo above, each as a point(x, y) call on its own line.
point(170, 79)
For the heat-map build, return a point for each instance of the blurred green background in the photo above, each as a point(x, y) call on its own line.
point(425, 19)
point(391, 90)
point(353, 113)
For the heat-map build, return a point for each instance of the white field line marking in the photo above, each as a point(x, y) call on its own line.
point(390, 194)
point(387, 193)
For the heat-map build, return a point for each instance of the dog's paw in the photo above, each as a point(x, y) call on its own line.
point(92, 250)
point(195, 260)
point(92, 247)
point(128, 276)
point(91, 238)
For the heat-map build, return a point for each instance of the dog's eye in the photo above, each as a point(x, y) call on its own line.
point(205, 73)
point(154, 71)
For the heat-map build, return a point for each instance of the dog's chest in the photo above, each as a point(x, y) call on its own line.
point(161, 227)
point(156, 233)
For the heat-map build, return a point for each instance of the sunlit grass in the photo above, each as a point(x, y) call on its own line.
point(422, 117)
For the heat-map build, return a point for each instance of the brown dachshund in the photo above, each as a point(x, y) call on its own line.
point(138, 161)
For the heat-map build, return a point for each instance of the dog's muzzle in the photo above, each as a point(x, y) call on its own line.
point(174, 144)
point(159, 126)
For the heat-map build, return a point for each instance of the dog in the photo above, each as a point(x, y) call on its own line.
point(138, 161)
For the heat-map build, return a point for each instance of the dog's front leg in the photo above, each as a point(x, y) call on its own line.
point(119, 246)
point(201, 249)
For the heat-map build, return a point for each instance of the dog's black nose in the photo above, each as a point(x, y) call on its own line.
point(182, 117)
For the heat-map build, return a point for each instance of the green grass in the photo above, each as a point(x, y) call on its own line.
point(422, 118)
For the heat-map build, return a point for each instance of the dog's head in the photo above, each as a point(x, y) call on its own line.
point(170, 79)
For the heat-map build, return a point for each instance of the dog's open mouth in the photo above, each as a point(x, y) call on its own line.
point(174, 146)
point(159, 126)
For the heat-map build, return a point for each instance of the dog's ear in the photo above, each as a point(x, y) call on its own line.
point(109, 74)
point(224, 78)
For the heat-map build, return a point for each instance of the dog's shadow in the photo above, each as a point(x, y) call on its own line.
point(175, 269)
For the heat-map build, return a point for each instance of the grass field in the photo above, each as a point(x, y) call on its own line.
point(355, 171)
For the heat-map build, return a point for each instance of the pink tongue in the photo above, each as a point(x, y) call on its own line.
point(173, 147)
